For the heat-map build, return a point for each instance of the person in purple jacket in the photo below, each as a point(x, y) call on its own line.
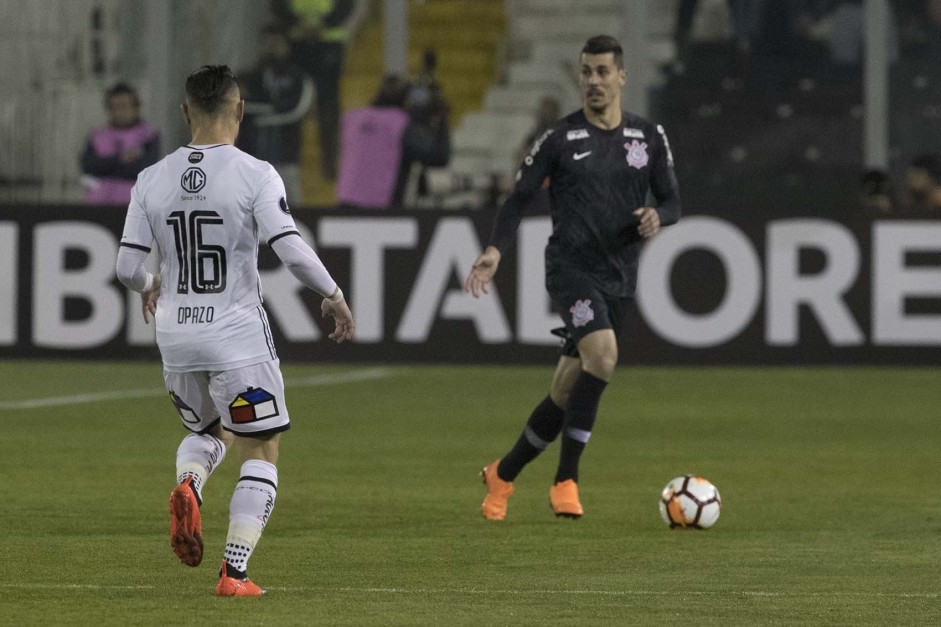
point(116, 153)
point(381, 143)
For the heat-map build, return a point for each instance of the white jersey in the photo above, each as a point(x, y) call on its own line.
point(206, 207)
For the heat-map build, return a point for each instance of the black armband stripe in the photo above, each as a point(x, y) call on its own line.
point(207, 430)
point(261, 433)
point(259, 480)
point(280, 235)
point(135, 246)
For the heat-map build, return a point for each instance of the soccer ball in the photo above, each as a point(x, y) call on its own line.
point(690, 502)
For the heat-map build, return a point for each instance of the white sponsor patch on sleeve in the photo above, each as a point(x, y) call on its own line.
point(666, 144)
point(538, 144)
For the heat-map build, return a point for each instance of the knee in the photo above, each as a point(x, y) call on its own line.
point(226, 437)
point(265, 448)
point(600, 366)
point(559, 396)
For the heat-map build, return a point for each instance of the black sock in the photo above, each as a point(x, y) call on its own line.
point(199, 500)
point(235, 573)
point(579, 420)
point(542, 428)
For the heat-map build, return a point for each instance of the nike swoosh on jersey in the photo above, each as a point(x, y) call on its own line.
point(580, 155)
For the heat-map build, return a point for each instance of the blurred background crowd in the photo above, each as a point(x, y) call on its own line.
point(765, 101)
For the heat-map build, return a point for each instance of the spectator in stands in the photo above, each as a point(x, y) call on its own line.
point(115, 154)
point(685, 12)
point(765, 29)
point(746, 17)
point(427, 140)
point(319, 30)
point(923, 182)
point(877, 195)
point(932, 51)
point(786, 26)
point(382, 142)
point(787, 46)
point(278, 93)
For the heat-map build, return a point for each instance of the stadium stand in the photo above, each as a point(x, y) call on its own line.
point(766, 134)
point(46, 97)
point(773, 134)
point(60, 56)
point(467, 63)
point(543, 39)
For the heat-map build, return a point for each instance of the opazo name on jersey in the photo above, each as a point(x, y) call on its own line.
point(195, 315)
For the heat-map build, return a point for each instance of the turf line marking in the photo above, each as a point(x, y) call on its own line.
point(480, 591)
point(615, 593)
point(350, 376)
point(71, 586)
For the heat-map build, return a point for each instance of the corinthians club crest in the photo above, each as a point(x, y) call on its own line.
point(582, 312)
point(636, 154)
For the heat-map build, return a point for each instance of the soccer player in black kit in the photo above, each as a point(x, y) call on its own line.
point(601, 163)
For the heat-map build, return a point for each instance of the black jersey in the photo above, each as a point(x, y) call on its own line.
point(597, 179)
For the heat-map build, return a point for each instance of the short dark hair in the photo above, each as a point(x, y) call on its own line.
point(603, 44)
point(120, 89)
point(930, 163)
point(207, 87)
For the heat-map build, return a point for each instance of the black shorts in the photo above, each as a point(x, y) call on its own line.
point(584, 309)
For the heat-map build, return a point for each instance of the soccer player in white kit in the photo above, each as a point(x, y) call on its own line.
point(205, 207)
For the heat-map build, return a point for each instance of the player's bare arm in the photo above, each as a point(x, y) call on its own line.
point(149, 299)
point(485, 266)
point(334, 306)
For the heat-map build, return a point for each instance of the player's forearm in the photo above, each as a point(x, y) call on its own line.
point(666, 190)
point(304, 264)
point(94, 165)
point(130, 269)
point(508, 220)
point(669, 210)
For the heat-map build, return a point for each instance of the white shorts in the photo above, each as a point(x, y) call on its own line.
point(248, 400)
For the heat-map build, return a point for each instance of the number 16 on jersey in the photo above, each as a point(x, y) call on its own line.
point(202, 265)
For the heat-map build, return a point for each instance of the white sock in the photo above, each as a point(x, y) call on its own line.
point(196, 457)
point(251, 505)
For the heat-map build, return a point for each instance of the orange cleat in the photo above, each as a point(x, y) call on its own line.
point(186, 524)
point(498, 491)
point(563, 497)
point(234, 587)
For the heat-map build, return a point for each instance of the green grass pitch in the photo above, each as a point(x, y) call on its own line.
point(829, 477)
